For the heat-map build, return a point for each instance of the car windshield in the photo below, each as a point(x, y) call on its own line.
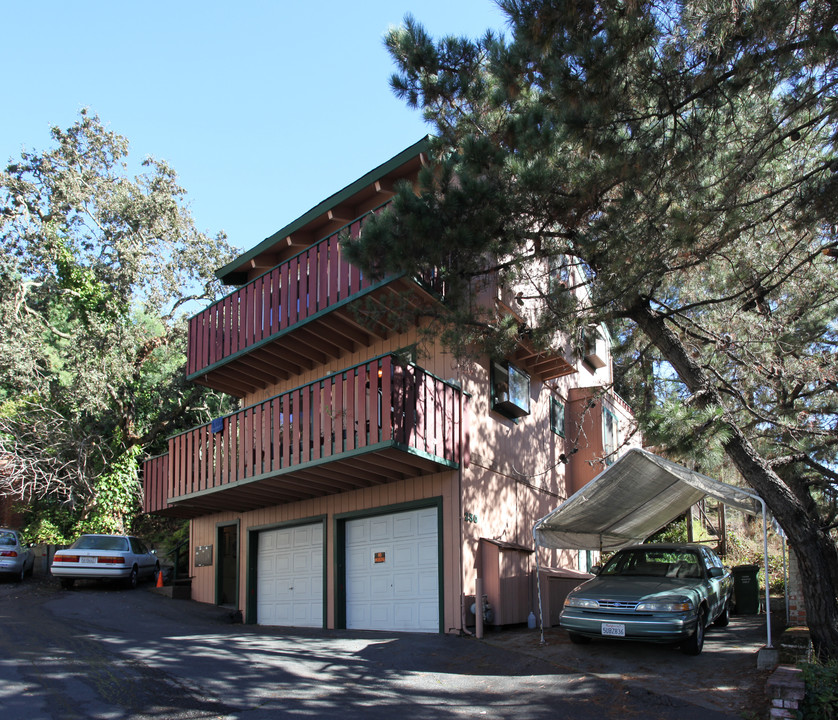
point(7, 538)
point(656, 563)
point(100, 542)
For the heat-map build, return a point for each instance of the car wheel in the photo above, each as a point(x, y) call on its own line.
point(578, 639)
point(67, 583)
point(693, 644)
point(724, 617)
point(22, 574)
point(132, 578)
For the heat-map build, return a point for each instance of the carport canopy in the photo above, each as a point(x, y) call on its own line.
point(628, 501)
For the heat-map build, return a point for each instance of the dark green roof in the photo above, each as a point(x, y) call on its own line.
point(228, 274)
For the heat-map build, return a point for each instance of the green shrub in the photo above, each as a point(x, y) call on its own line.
point(820, 701)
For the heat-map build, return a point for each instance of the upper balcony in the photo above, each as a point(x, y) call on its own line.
point(314, 307)
point(371, 424)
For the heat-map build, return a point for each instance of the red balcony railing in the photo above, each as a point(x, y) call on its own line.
point(315, 280)
point(156, 485)
point(379, 405)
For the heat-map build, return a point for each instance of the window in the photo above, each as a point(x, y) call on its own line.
point(610, 435)
point(557, 416)
point(510, 390)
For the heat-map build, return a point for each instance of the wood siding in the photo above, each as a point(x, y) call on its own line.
point(387, 497)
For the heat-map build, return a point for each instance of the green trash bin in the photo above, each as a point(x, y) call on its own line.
point(746, 589)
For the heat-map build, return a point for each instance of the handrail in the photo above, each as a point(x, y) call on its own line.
point(315, 279)
point(378, 403)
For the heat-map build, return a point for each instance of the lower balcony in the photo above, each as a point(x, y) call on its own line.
point(371, 424)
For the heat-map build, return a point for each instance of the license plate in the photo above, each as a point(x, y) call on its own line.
point(87, 559)
point(614, 629)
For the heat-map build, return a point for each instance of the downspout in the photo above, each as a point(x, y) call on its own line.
point(463, 624)
point(538, 582)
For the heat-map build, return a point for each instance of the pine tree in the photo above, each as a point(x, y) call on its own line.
point(683, 155)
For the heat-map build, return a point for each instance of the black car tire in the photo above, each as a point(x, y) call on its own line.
point(724, 617)
point(693, 644)
point(67, 583)
point(578, 639)
point(132, 578)
point(22, 574)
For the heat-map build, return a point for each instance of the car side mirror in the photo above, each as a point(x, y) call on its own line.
point(716, 572)
point(596, 570)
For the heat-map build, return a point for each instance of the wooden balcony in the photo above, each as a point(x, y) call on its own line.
point(304, 312)
point(367, 425)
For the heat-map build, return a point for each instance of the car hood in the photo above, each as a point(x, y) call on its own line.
point(635, 588)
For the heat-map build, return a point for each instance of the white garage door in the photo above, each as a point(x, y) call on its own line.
point(289, 572)
point(392, 572)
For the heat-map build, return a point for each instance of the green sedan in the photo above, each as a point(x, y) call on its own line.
point(657, 592)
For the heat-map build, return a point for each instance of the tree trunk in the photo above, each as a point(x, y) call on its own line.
point(813, 546)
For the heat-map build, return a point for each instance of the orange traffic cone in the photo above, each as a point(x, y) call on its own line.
point(160, 579)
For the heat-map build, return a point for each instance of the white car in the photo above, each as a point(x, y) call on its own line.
point(105, 557)
point(16, 559)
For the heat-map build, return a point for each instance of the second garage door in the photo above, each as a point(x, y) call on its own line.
point(392, 572)
point(290, 576)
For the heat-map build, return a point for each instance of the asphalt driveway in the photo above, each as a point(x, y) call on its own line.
point(104, 652)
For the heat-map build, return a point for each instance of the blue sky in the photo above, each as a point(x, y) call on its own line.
point(263, 108)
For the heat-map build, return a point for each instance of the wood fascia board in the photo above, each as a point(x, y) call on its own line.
point(341, 197)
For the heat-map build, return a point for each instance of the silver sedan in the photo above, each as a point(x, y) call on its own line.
point(16, 559)
point(105, 557)
point(657, 593)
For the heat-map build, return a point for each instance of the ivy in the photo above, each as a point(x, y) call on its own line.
point(820, 701)
point(116, 495)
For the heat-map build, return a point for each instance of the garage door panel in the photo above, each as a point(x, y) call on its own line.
point(390, 560)
point(405, 585)
point(428, 583)
point(405, 555)
point(404, 526)
point(380, 528)
point(427, 522)
point(356, 533)
point(289, 584)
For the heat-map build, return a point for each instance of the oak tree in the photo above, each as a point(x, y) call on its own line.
point(96, 271)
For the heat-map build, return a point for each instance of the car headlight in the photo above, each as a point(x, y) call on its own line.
point(665, 605)
point(580, 602)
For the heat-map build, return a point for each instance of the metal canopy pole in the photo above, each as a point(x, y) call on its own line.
point(765, 565)
point(765, 559)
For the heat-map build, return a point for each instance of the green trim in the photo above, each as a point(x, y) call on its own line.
point(340, 520)
point(451, 464)
point(218, 527)
point(253, 532)
point(331, 202)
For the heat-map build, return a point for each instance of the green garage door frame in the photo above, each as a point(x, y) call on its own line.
point(252, 558)
point(340, 551)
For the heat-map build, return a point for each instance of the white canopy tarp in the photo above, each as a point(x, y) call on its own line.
point(630, 500)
